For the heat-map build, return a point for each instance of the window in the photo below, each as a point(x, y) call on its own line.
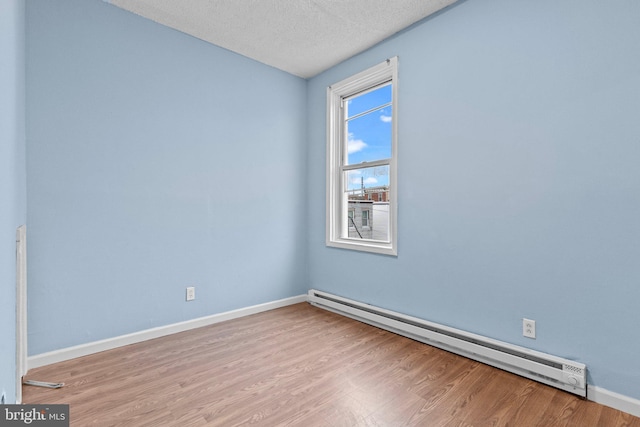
point(361, 160)
point(365, 218)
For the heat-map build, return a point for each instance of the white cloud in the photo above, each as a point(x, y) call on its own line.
point(386, 119)
point(370, 180)
point(355, 145)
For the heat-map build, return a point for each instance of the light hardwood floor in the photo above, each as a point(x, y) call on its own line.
point(302, 366)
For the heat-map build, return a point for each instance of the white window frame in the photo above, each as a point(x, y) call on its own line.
point(337, 204)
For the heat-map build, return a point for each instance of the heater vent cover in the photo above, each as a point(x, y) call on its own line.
point(548, 369)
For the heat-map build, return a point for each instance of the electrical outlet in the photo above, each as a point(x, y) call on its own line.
point(191, 293)
point(529, 328)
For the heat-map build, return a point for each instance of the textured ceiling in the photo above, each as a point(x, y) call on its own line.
point(301, 37)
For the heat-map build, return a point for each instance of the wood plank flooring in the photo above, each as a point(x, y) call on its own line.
point(302, 366)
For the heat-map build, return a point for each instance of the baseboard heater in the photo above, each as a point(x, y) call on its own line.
point(551, 370)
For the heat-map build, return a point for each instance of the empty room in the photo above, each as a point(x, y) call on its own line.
point(313, 212)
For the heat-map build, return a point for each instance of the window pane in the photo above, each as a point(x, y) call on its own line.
point(369, 137)
point(360, 103)
point(360, 182)
point(368, 220)
point(368, 214)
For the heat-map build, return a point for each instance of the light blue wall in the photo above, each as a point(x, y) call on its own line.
point(155, 162)
point(12, 179)
point(519, 179)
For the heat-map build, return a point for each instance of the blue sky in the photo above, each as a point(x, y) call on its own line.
point(369, 136)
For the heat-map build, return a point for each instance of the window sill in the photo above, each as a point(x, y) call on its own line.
point(366, 246)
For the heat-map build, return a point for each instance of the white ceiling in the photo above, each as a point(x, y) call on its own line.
point(301, 37)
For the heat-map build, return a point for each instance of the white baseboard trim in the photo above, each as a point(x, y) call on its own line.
point(148, 334)
point(613, 400)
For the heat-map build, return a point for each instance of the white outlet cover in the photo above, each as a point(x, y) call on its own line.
point(529, 328)
point(191, 293)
